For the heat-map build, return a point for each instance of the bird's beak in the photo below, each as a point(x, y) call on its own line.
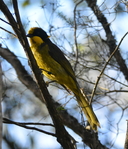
point(29, 35)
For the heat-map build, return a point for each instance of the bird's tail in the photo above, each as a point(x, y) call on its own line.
point(88, 111)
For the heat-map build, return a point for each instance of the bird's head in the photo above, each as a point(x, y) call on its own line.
point(37, 35)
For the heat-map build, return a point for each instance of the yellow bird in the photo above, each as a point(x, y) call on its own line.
point(56, 67)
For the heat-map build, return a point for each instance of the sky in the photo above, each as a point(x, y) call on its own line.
point(34, 15)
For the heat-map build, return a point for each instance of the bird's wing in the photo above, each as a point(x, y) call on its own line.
point(59, 57)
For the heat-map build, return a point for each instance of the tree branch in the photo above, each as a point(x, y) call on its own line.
point(1, 84)
point(75, 37)
point(89, 138)
point(126, 139)
point(24, 125)
point(62, 135)
point(111, 42)
point(113, 53)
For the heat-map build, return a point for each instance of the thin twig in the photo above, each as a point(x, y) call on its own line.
point(117, 47)
point(8, 32)
point(5, 120)
point(113, 91)
point(19, 23)
point(15, 6)
point(116, 80)
point(75, 29)
point(5, 21)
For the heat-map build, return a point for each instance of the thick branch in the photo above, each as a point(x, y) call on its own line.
point(126, 139)
point(0, 106)
point(22, 74)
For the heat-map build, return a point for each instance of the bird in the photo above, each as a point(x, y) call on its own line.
point(56, 67)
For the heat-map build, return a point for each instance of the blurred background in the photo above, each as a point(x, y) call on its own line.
point(75, 29)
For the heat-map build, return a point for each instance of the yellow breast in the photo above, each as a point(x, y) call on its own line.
point(50, 68)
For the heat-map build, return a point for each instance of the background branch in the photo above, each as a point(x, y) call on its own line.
point(126, 140)
point(1, 91)
point(24, 125)
point(111, 42)
point(98, 78)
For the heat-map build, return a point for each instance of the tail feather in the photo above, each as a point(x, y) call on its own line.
point(88, 111)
